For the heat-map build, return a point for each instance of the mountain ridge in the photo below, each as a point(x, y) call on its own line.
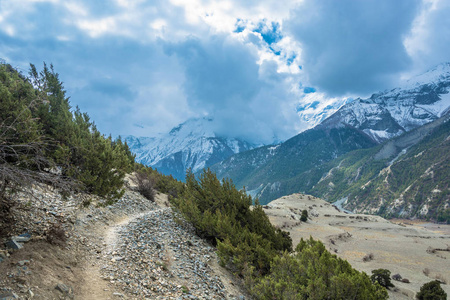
point(190, 145)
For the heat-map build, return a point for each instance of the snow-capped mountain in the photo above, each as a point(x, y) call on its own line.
point(315, 108)
point(387, 114)
point(192, 144)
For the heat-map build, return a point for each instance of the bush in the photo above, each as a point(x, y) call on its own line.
point(431, 291)
point(222, 215)
point(368, 257)
point(397, 277)
point(304, 216)
point(314, 273)
point(145, 184)
point(163, 183)
point(251, 247)
point(383, 277)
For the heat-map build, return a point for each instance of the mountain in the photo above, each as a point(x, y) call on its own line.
point(314, 108)
point(264, 170)
point(388, 114)
point(408, 176)
point(295, 165)
point(192, 144)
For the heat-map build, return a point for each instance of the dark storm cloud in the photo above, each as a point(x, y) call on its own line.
point(353, 46)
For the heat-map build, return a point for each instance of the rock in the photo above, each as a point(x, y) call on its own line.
point(12, 244)
point(8, 296)
point(23, 262)
point(23, 238)
point(21, 280)
point(65, 289)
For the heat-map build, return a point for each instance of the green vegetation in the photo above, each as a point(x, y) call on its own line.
point(304, 216)
point(314, 273)
point(431, 291)
point(41, 137)
point(383, 277)
point(252, 248)
point(79, 149)
point(223, 215)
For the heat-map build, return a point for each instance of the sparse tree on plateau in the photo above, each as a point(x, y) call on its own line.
point(383, 277)
point(304, 216)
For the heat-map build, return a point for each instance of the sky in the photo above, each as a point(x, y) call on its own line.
point(141, 67)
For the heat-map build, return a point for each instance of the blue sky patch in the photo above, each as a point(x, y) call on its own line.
point(270, 33)
point(309, 90)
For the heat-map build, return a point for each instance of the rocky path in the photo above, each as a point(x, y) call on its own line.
point(153, 255)
point(132, 249)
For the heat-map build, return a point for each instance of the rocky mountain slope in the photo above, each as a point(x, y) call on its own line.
point(264, 170)
point(293, 166)
point(405, 177)
point(388, 114)
point(192, 144)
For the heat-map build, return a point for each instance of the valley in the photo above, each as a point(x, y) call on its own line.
point(370, 242)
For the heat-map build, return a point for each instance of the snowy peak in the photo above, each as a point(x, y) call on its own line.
point(192, 144)
point(388, 114)
point(315, 108)
point(440, 73)
point(194, 127)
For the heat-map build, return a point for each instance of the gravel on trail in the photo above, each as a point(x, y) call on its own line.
point(158, 256)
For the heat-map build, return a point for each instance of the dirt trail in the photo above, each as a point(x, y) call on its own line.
point(95, 287)
point(133, 249)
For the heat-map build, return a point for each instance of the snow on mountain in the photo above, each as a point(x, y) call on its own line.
point(387, 114)
point(192, 144)
point(316, 107)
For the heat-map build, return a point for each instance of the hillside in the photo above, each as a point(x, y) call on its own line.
point(406, 177)
point(263, 170)
point(133, 248)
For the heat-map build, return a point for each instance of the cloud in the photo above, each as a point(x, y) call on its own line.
point(246, 63)
point(429, 41)
point(223, 80)
point(351, 47)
